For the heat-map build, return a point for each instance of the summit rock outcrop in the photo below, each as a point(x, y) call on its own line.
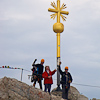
point(12, 89)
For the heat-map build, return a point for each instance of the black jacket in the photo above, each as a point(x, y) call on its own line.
point(63, 79)
point(40, 68)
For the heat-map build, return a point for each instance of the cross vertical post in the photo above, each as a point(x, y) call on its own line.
point(58, 28)
point(58, 46)
point(58, 14)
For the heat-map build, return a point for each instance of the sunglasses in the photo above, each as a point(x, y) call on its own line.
point(66, 69)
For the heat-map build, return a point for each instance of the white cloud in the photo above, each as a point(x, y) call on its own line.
point(18, 17)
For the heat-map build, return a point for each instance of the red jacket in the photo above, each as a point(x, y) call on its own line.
point(46, 79)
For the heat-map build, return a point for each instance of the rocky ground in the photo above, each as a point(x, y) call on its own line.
point(12, 89)
point(73, 94)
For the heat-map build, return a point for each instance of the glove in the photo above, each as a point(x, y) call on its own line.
point(59, 63)
point(69, 81)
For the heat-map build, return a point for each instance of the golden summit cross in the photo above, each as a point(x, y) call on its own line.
point(58, 28)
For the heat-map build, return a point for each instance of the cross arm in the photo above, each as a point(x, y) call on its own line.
point(56, 11)
point(53, 10)
point(64, 12)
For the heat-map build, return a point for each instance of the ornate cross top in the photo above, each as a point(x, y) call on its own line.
point(58, 10)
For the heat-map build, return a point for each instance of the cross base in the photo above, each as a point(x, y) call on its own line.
point(58, 88)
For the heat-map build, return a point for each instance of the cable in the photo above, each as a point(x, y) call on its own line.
point(56, 79)
point(72, 83)
point(86, 85)
point(27, 70)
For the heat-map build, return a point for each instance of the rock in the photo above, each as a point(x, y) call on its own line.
point(12, 89)
point(73, 94)
point(95, 99)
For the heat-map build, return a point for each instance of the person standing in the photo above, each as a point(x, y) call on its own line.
point(37, 73)
point(65, 81)
point(47, 75)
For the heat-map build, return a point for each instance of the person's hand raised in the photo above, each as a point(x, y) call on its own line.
point(60, 63)
point(55, 69)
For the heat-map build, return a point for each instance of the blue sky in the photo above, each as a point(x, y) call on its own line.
point(26, 33)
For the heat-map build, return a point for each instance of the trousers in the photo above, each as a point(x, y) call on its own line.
point(40, 83)
point(47, 87)
point(65, 92)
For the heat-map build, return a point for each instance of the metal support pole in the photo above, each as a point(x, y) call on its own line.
point(58, 60)
point(21, 74)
